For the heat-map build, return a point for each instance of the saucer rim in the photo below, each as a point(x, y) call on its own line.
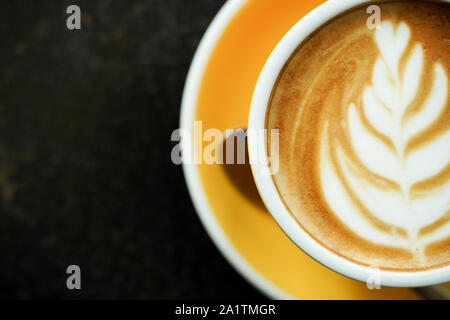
point(190, 170)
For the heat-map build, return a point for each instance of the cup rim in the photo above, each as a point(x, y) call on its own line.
point(266, 185)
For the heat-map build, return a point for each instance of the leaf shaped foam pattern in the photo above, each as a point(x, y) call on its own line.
point(374, 184)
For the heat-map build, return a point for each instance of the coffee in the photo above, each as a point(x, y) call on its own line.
point(364, 135)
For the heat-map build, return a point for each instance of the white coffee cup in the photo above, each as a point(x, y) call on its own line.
point(266, 185)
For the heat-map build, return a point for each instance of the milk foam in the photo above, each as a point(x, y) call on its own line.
point(364, 143)
point(379, 134)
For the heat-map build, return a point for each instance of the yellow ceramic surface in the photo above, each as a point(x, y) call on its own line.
point(223, 102)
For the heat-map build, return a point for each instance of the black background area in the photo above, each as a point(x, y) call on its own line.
point(85, 171)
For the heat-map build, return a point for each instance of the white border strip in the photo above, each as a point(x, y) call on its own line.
point(198, 196)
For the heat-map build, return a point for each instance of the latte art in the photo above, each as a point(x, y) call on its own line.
point(379, 170)
point(365, 136)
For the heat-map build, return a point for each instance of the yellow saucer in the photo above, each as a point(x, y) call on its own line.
point(234, 218)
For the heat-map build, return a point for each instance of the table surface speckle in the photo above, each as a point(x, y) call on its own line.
point(85, 170)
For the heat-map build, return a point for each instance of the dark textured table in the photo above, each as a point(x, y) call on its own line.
point(85, 170)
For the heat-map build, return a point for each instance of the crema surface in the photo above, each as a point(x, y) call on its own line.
point(364, 126)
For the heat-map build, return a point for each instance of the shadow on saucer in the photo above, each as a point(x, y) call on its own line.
point(238, 168)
